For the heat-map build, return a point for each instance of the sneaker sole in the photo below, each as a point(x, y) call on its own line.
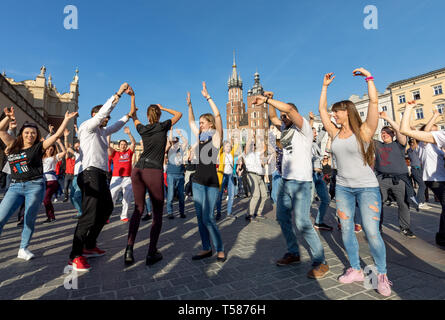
point(25, 258)
point(324, 229)
point(80, 270)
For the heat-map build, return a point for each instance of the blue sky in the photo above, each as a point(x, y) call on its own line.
point(166, 48)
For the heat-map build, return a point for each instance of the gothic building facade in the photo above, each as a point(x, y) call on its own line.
point(240, 120)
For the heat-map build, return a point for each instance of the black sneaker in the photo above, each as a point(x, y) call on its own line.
point(20, 223)
point(49, 220)
point(171, 216)
point(248, 217)
point(440, 240)
point(183, 216)
point(218, 217)
point(65, 200)
point(152, 259)
point(146, 217)
point(407, 233)
point(323, 226)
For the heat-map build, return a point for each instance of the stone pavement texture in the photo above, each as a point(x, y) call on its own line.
point(415, 266)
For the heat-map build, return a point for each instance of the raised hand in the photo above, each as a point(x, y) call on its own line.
point(123, 88)
point(66, 132)
point(328, 78)
point(436, 113)
point(161, 107)
point(51, 127)
point(127, 130)
point(268, 94)
point(70, 115)
point(9, 112)
point(259, 100)
point(129, 91)
point(189, 100)
point(311, 115)
point(361, 72)
point(382, 115)
point(204, 92)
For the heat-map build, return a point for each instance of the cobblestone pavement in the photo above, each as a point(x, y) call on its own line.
point(415, 266)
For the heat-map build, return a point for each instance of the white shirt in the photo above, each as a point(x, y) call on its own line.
point(49, 168)
point(78, 163)
point(228, 164)
point(433, 163)
point(253, 163)
point(297, 159)
point(93, 138)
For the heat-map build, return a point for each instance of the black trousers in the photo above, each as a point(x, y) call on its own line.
point(68, 182)
point(97, 207)
point(438, 189)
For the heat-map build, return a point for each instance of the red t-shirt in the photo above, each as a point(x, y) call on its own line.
point(70, 163)
point(58, 167)
point(122, 163)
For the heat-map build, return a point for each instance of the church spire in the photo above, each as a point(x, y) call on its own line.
point(235, 80)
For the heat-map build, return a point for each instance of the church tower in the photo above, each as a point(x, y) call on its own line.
point(258, 115)
point(235, 104)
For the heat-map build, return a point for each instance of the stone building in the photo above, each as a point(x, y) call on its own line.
point(385, 104)
point(428, 91)
point(39, 101)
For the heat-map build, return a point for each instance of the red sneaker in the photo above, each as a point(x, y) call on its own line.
point(357, 228)
point(91, 253)
point(108, 221)
point(124, 220)
point(80, 264)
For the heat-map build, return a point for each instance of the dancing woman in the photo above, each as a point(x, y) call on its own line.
point(27, 185)
point(205, 180)
point(50, 158)
point(148, 175)
point(353, 149)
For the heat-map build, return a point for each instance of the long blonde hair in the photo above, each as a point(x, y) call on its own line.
point(355, 123)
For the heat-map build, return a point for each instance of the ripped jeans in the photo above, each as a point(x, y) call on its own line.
point(369, 202)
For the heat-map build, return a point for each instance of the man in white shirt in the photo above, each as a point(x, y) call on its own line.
point(97, 204)
point(294, 195)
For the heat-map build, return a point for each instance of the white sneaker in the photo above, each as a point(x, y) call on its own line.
point(424, 206)
point(25, 254)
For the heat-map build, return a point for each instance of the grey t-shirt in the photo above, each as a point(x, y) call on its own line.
point(390, 158)
point(352, 171)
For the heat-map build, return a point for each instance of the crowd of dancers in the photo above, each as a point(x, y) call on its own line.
point(291, 169)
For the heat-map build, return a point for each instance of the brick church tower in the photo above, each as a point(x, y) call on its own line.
point(235, 105)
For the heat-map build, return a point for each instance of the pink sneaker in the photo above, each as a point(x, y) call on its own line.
point(384, 285)
point(352, 275)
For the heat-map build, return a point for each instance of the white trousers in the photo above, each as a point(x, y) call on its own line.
point(123, 184)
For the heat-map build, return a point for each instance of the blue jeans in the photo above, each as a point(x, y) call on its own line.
point(32, 192)
point(226, 182)
point(76, 196)
point(205, 202)
point(294, 198)
point(320, 187)
point(369, 202)
point(175, 182)
point(276, 178)
point(148, 204)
